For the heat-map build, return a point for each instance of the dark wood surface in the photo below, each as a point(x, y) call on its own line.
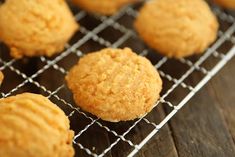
point(205, 127)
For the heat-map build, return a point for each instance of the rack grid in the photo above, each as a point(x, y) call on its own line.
point(36, 74)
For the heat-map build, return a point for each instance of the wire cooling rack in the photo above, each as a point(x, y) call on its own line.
point(94, 137)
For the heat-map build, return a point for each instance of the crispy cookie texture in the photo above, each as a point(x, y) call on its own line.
point(34, 28)
point(31, 125)
point(177, 29)
point(105, 7)
point(115, 84)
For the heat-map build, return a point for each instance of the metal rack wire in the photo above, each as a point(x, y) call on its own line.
point(84, 40)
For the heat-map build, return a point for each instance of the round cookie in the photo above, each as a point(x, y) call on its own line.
point(106, 7)
point(177, 29)
point(33, 28)
point(230, 4)
point(1, 77)
point(31, 125)
point(115, 84)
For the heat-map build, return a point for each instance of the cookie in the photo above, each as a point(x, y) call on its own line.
point(31, 125)
point(230, 4)
point(177, 29)
point(115, 84)
point(34, 28)
point(1, 77)
point(105, 7)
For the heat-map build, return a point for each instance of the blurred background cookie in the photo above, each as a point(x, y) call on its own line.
point(106, 7)
point(177, 29)
point(31, 125)
point(230, 4)
point(115, 84)
point(33, 28)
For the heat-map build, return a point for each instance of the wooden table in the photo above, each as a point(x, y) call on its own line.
point(205, 127)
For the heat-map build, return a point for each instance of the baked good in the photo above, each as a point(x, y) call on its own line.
point(115, 84)
point(1, 77)
point(230, 4)
point(177, 29)
point(32, 126)
point(33, 28)
point(106, 7)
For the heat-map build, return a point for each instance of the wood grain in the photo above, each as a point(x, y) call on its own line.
point(199, 129)
point(222, 90)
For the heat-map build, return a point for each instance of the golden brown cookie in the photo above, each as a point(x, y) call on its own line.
point(33, 28)
point(1, 77)
point(177, 29)
point(106, 7)
point(32, 126)
point(115, 84)
point(230, 4)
